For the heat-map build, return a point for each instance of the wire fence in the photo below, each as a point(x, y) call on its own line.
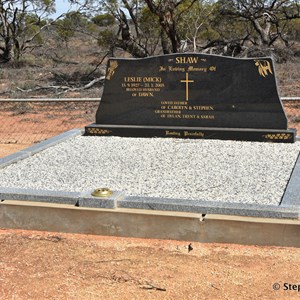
point(292, 110)
point(25, 122)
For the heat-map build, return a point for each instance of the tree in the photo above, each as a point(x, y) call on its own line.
point(133, 41)
point(268, 18)
point(196, 23)
point(119, 25)
point(21, 25)
point(142, 24)
point(103, 20)
point(170, 13)
point(71, 23)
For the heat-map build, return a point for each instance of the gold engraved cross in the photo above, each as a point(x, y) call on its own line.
point(187, 81)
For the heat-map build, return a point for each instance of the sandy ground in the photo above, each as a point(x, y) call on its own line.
point(42, 265)
point(23, 126)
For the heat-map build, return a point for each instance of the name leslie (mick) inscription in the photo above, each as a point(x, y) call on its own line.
point(192, 96)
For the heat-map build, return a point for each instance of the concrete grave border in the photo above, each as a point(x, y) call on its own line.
point(289, 207)
point(138, 223)
point(27, 152)
point(144, 217)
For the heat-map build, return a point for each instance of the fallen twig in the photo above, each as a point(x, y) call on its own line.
point(149, 286)
point(63, 87)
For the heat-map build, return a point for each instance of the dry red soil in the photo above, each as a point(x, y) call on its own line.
point(42, 265)
point(25, 124)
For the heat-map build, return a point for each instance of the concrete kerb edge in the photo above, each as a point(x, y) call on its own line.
point(148, 224)
point(59, 197)
point(209, 207)
point(291, 197)
point(118, 200)
point(36, 195)
point(25, 153)
point(87, 200)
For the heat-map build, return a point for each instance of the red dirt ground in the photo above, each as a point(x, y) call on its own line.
point(41, 265)
point(24, 126)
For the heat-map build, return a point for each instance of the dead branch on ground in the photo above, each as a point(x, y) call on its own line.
point(64, 88)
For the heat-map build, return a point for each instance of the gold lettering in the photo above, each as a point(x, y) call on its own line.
point(152, 79)
point(203, 108)
point(186, 60)
point(132, 79)
point(136, 85)
point(146, 95)
point(172, 133)
point(189, 116)
point(206, 117)
point(177, 107)
point(194, 133)
point(174, 102)
point(157, 111)
point(193, 69)
point(175, 69)
point(173, 116)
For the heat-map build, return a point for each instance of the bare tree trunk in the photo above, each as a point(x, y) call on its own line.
point(164, 42)
point(128, 43)
point(264, 33)
point(133, 17)
point(7, 51)
point(165, 13)
point(7, 48)
point(15, 33)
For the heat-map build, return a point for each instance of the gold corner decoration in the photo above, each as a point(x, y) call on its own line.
point(113, 64)
point(264, 67)
point(98, 131)
point(278, 136)
point(102, 192)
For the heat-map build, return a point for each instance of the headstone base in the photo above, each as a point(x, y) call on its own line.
point(245, 134)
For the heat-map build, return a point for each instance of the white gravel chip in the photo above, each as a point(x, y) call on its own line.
point(211, 170)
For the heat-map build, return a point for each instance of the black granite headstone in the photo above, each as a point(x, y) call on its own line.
point(192, 96)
